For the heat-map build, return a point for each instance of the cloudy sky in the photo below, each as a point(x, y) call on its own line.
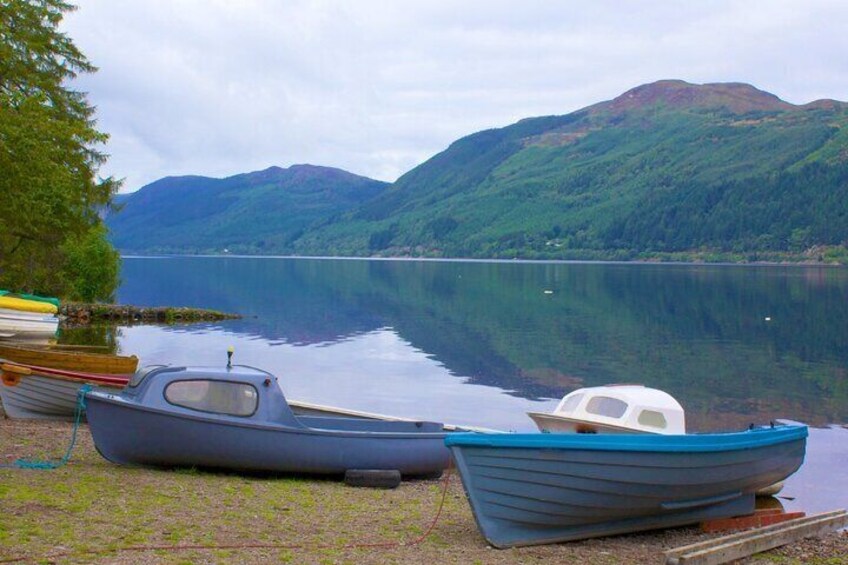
point(220, 87)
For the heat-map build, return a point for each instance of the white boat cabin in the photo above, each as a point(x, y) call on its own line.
point(614, 409)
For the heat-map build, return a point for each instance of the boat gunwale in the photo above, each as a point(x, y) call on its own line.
point(26, 316)
point(115, 380)
point(646, 443)
point(42, 350)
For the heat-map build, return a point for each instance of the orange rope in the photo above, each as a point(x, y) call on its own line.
point(355, 545)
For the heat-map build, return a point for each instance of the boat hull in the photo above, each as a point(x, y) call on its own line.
point(126, 433)
point(70, 360)
point(41, 398)
point(557, 487)
point(29, 303)
point(23, 324)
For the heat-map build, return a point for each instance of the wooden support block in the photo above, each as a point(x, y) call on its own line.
point(736, 546)
point(756, 520)
point(709, 525)
point(766, 511)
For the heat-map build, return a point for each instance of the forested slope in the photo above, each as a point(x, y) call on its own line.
point(666, 170)
point(666, 167)
point(260, 212)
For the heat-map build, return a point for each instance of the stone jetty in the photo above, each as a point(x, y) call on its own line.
point(83, 313)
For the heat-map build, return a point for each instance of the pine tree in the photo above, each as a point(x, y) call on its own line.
point(51, 199)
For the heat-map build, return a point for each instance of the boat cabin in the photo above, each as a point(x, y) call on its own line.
point(614, 409)
point(238, 418)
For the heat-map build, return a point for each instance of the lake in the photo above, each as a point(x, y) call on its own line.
point(481, 343)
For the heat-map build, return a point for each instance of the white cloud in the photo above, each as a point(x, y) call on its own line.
point(377, 87)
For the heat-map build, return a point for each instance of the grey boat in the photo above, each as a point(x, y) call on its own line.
point(238, 418)
point(528, 489)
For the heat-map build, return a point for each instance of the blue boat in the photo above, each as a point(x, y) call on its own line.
point(529, 489)
point(238, 418)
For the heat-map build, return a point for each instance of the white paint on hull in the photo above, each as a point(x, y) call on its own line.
point(17, 324)
point(40, 397)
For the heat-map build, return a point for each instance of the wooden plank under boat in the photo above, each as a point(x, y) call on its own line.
point(238, 418)
point(528, 489)
point(47, 356)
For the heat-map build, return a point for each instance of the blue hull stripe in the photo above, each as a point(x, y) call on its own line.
point(691, 443)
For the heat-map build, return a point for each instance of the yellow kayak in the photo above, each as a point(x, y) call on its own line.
point(25, 305)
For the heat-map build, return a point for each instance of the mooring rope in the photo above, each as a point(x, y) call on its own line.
point(55, 464)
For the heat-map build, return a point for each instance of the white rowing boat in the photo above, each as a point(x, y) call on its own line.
point(20, 324)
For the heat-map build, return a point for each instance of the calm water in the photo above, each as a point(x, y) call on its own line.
point(481, 343)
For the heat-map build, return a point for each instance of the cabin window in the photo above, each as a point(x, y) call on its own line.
point(652, 418)
point(219, 397)
point(570, 403)
point(606, 406)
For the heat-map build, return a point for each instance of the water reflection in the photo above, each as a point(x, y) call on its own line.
point(820, 483)
point(103, 338)
point(375, 371)
point(734, 344)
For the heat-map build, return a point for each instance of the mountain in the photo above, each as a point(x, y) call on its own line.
point(259, 212)
point(665, 168)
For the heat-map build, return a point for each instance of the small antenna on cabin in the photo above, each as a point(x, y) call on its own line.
point(230, 351)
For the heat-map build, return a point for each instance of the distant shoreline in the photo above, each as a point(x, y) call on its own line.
point(787, 263)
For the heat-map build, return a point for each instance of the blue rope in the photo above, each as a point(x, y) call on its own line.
point(47, 464)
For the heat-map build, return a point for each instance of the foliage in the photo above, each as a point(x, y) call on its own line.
point(260, 212)
point(788, 211)
point(603, 184)
point(732, 174)
point(93, 266)
point(48, 159)
point(380, 240)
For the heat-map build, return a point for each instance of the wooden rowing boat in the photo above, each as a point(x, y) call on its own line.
point(46, 356)
point(32, 392)
point(21, 324)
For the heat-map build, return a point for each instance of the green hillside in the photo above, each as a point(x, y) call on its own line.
point(261, 212)
point(666, 169)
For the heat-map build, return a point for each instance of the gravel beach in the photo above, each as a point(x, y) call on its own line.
point(91, 511)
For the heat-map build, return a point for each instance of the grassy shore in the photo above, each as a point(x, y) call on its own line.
point(91, 511)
